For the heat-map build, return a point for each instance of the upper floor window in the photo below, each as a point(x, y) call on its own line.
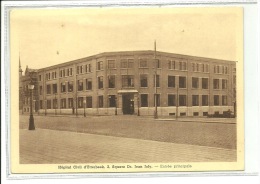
point(205, 68)
point(127, 63)
point(80, 85)
point(182, 65)
point(182, 82)
point(100, 65)
point(63, 87)
point(80, 69)
point(40, 77)
point(215, 83)
point(224, 83)
point(157, 80)
point(195, 82)
point(100, 82)
point(127, 81)
point(48, 89)
point(205, 83)
point(171, 64)
point(88, 84)
point(54, 88)
point(157, 63)
point(70, 86)
point(143, 63)
point(111, 81)
point(171, 81)
point(111, 64)
point(143, 80)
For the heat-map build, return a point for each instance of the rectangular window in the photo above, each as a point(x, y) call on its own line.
point(80, 102)
point(143, 80)
point(205, 100)
point(88, 84)
point(182, 100)
point(207, 68)
point(63, 87)
point(40, 90)
point(182, 82)
point(48, 104)
point(89, 101)
point(123, 63)
point(81, 69)
point(157, 97)
point(70, 100)
point(144, 100)
point(195, 82)
point(193, 67)
point(112, 100)
point(130, 63)
point(157, 80)
point(127, 81)
point(217, 69)
point(70, 86)
point(71, 72)
point(215, 83)
point(224, 83)
point(100, 82)
point(48, 89)
point(111, 81)
point(55, 103)
point(205, 83)
point(226, 70)
point(100, 65)
point(54, 88)
point(197, 67)
point(216, 100)
point(184, 65)
point(171, 65)
point(224, 100)
point(171, 100)
point(171, 81)
point(100, 101)
point(41, 105)
point(195, 100)
point(143, 63)
point(63, 103)
point(63, 72)
point(40, 78)
point(157, 63)
point(111, 64)
point(223, 69)
point(80, 85)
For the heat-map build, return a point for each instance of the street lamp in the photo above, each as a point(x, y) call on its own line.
point(45, 107)
point(31, 120)
point(84, 103)
point(138, 112)
point(55, 104)
point(116, 106)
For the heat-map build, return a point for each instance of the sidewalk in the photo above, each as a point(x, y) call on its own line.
point(51, 147)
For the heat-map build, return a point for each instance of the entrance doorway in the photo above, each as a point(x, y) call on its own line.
point(128, 103)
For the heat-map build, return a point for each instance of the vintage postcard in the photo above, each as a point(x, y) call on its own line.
point(144, 89)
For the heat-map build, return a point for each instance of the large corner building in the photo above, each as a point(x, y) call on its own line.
point(133, 82)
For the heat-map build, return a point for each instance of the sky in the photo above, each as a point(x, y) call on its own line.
point(45, 37)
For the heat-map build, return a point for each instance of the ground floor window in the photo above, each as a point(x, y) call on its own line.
point(224, 100)
point(216, 99)
point(70, 102)
point(55, 104)
point(48, 104)
point(195, 113)
point(100, 101)
point(182, 100)
point(195, 100)
point(205, 100)
point(171, 100)
point(41, 106)
point(80, 102)
point(63, 103)
point(89, 101)
point(144, 100)
point(112, 100)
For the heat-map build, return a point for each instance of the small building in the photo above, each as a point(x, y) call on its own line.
point(136, 82)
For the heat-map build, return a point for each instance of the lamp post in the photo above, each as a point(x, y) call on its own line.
point(45, 107)
point(55, 104)
point(31, 120)
point(116, 106)
point(138, 112)
point(84, 103)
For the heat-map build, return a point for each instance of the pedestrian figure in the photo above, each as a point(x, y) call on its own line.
point(73, 110)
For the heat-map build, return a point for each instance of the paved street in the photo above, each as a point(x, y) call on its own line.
point(206, 132)
point(44, 146)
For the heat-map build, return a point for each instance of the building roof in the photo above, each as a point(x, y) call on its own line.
point(147, 52)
